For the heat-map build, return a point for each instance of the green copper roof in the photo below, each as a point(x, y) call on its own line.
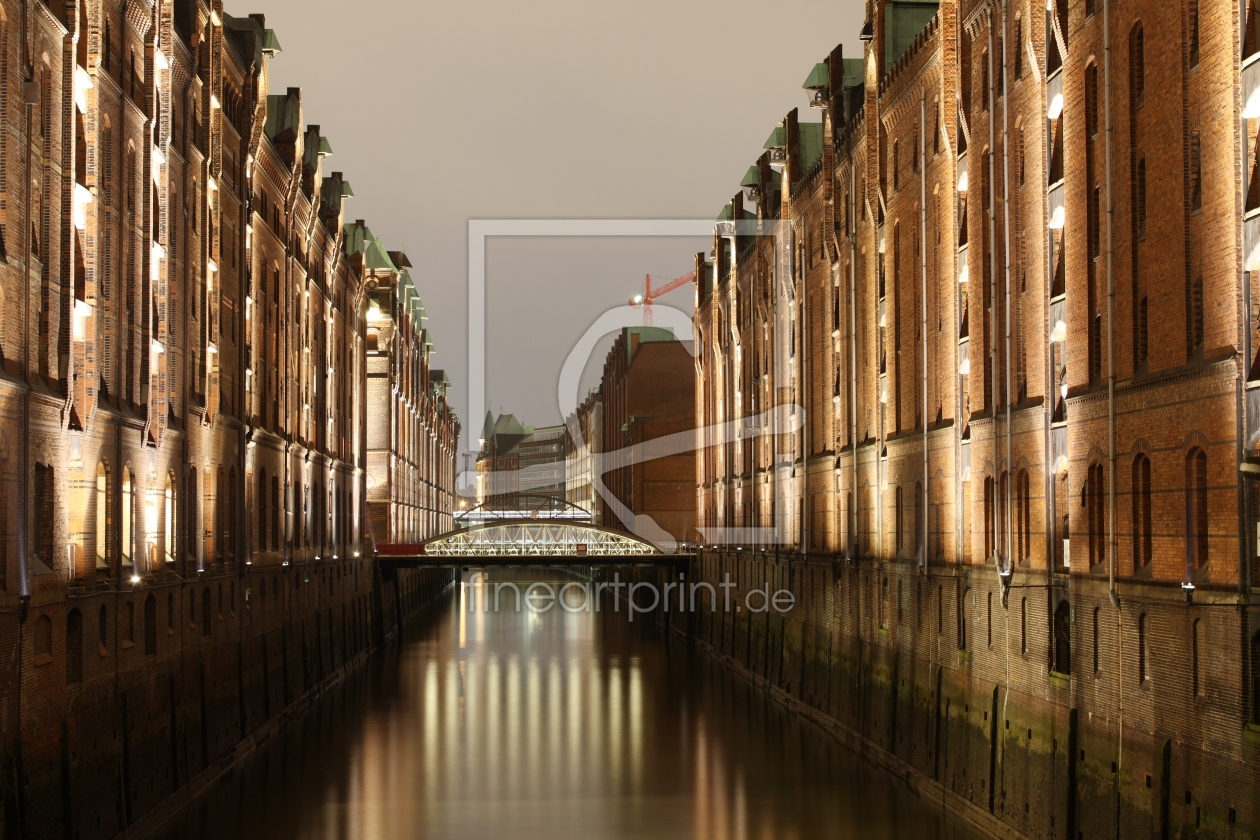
point(727, 214)
point(357, 238)
point(819, 77)
point(777, 139)
point(854, 72)
point(284, 114)
point(752, 177)
point(377, 258)
point(325, 148)
point(346, 192)
point(271, 44)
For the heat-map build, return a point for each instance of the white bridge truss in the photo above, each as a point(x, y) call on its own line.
point(537, 539)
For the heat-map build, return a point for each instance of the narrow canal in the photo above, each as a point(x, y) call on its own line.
point(553, 725)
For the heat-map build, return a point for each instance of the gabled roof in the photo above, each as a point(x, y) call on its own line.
point(377, 258)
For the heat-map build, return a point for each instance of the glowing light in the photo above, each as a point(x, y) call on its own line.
point(214, 102)
point(82, 84)
point(1055, 107)
point(1058, 218)
point(157, 348)
point(962, 181)
point(82, 200)
point(159, 60)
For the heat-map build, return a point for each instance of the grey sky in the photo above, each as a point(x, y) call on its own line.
point(442, 112)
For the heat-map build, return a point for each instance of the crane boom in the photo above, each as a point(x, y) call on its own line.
point(650, 294)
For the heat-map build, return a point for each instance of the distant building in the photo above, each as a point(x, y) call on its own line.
point(648, 393)
point(582, 457)
point(520, 467)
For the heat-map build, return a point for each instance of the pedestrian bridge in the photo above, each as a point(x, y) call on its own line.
point(528, 541)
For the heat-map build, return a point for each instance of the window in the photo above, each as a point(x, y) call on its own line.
point(150, 625)
point(1023, 516)
point(1141, 511)
point(1063, 638)
point(102, 629)
point(900, 520)
point(128, 517)
point(129, 623)
point(1137, 63)
point(896, 165)
point(168, 520)
point(1195, 685)
point(1196, 510)
point(205, 611)
point(962, 620)
point(990, 523)
point(260, 500)
point(74, 647)
point(1142, 669)
point(45, 515)
point(1139, 201)
point(1023, 626)
point(1255, 678)
point(988, 619)
point(1196, 171)
point(102, 517)
point(1097, 640)
point(1095, 506)
point(1019, 47)
point(1143, 342)
point(1193, 30)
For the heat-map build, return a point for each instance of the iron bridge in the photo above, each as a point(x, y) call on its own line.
point(522, 542)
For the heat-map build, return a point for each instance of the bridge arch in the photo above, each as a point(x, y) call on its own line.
point(536, 538)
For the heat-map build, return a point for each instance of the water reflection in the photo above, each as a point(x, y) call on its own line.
point(552, 725)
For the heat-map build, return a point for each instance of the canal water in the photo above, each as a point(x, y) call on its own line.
point(553, 725)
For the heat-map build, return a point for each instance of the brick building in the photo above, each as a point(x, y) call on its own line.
point(520, 467)
point(412, 430)
point(647, 394)
point(183, 369)
point(1007, 278)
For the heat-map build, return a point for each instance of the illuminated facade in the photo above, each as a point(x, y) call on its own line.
point(1008, 279)
point(183, 416)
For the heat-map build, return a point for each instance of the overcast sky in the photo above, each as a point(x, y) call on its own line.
point(443, 112)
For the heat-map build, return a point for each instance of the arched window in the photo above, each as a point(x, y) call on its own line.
point(1095, 506)
point(128, 517)
point(169, 518)
point(1023, 517)
point(233, 515)
point(150, 625)
point(1063, 638)
point(1141, 511)
point(1137, 63)
point(74, 647)
point(1196, 509)
point(205, 611)
point(102, 517)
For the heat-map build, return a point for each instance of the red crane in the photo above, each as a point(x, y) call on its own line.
point(649, 294)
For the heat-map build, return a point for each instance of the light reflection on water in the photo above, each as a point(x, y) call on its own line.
point(553, 725)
